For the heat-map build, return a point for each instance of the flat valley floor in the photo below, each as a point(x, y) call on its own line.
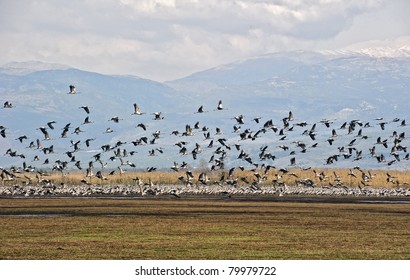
point(203, 228)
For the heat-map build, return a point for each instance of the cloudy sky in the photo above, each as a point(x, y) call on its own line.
point(168, 39)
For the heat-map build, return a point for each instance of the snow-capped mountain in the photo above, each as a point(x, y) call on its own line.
point(324, 81)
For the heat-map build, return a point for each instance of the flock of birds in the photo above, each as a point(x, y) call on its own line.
point(291, 139)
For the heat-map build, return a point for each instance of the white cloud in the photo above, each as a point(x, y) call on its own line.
point(148, 6)
point(166, 39)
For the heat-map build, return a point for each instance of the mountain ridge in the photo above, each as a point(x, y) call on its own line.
point(313, 86)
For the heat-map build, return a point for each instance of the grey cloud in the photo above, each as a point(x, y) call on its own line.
point(165, 39)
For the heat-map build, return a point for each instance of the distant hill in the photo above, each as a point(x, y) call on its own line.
point(317, 87)
point(42, 96)
point(323, 84)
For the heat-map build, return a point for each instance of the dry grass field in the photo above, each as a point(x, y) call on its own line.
point(320, 177)
point(45, 228)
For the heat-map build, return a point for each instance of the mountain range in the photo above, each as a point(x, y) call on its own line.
point(322, 88)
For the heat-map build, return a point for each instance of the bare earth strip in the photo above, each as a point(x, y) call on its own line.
point(211, 228)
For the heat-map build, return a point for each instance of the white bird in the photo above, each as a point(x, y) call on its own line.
point(137, 110)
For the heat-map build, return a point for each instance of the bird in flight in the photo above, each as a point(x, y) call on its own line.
point(86, 109)
point(115, 119)
point(50, 124)
point(200, 110)
point(8, 104)
point(220, 106)
point(157, 116)
point(44, 131)
point(72, 90)
point(137, 110)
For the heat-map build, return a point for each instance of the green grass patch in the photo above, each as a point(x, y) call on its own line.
point(202, 229)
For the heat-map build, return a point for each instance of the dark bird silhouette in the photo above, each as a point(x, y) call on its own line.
point(382, 125)
point(200, 110)
point(351, 143)
point(44, 131)
point(3, 132)
point(326, 122)
point(239, 119)
point(50, 124)
point(86, 109)
point(72, 90)
point(100, 176)
point(87, 120)
point(21, 138)
point(75, 145)
point(290, 116)
point(143, 126)
point(188, 131)
point(115, 119)
point(158, 116)
point(8, 104)
point(77, 130)
point(78, 165)
point(64, 133)
point(256, 119)
point(220, 105)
